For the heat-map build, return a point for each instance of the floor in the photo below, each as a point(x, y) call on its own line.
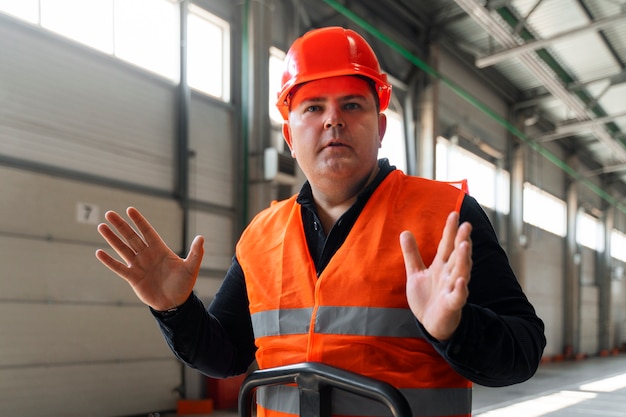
point(593, 387)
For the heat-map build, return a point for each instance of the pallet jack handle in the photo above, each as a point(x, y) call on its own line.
point(315, 382)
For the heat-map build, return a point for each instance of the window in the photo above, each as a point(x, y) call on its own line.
point(275, 73)
point(618, 245)
point(393, 145)
point(90, 23)
point(488, 184)
point(144, 33)
point(208, 53)
point(544, 210)
point(589, 231)
point(24, 9)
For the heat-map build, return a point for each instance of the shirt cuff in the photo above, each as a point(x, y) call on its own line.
point(167, 314)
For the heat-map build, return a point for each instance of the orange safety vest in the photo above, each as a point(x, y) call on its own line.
point(355, 315)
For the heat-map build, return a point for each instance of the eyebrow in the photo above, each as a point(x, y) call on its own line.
point(349, 97)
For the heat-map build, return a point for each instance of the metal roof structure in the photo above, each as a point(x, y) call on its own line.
point(562, 63)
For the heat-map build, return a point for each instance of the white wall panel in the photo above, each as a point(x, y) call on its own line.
point(589, 198)
point(589, 304)
point(206, 288)
point(40, 270)
point(453, 109)
point(589, 317)
point(42, 335)
point(218, 244)
point(618, 313)
point(44, 206)
point(75, 339)
point(543, 284)
point(588, 266)
point(66, 106)
point(544, 174)
point(211, 140)
point(89, 390)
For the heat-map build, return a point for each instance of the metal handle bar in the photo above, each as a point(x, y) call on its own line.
point(315, 381)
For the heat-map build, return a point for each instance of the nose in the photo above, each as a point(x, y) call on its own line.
point(333, 119)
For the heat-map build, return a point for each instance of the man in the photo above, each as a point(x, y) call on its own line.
point(395, 277)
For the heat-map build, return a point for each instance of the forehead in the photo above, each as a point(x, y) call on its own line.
point(333, 87)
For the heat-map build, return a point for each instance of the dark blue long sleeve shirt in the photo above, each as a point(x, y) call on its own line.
point(499, 341)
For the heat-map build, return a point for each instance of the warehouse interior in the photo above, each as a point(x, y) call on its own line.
point(168, 106)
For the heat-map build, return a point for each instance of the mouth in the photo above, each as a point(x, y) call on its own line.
point(335, 144)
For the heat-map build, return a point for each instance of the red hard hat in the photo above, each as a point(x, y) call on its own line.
point(330, 52)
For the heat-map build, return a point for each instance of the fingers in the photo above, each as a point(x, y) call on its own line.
point(460, 260)
point(454, 253)
point(446, 244)
point(458, 296)
point(413, 262)
point(127, 242)
point(196, 252)
point(437, 294)
point(452, 238)
point(120, 246)
point(112, 263)
point(133, 240)
point(148, 232)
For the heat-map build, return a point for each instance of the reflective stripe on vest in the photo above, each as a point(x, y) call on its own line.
point(358, 321)
point(423, 402)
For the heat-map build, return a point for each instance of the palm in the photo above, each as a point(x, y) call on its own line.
point(437, 294)
point(159, 277)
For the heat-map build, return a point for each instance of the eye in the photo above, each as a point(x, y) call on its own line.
point(352, 106)
point(312, 108)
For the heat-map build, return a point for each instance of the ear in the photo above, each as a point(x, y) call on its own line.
point(287, 136)
point(382, 128)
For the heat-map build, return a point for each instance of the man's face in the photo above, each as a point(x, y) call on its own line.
point(334, 129)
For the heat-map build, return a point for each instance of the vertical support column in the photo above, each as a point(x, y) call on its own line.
point(241, 160)
point(409, 124)
point(182, 143)
point(516, 242)
point(571, 270)
point(428, 116)
point(427, 132)
point(192, 381)
point(603, 271)
point(255, 112)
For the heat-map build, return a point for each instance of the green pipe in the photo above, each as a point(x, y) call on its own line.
point(475, 102)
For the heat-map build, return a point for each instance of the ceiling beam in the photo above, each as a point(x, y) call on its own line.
point(500, 56)
point(613, 80)
point(607, 170)
point(482, 16)
point(568, 129)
